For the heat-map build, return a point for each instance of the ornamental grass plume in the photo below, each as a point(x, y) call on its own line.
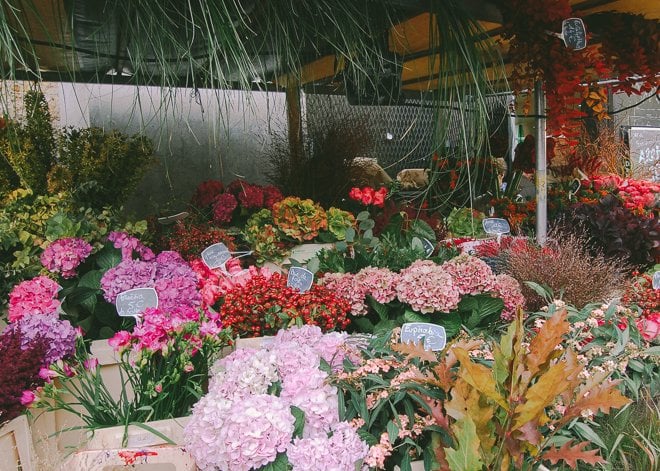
point(566, 267)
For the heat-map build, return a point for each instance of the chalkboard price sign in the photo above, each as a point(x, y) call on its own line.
point(574, 33)
point(132, 302)
point(429, 247)
point(300, 278)
point(656, 280)
point(496, 226)
point(216, 255)
point(574, 187)
point(435, 337)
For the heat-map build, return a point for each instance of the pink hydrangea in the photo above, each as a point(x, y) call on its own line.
point(471, 275)
point(35, 296)
point(339, 452)
point(65, 255)
point(344, 286)
point(238, 435)
point(508, 288)
point(244, 373)
point(380, 283)
point(223, 208)
point(130, 245)
point(427, 288)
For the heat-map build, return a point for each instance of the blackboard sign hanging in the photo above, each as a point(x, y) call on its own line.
point(132, 302)
point(435, 337)
point(300, 278)
point(216, 255)
point(574, 33)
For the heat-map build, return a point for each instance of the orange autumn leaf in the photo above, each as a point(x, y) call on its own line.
point(542, 347)
point(415, 350)
point(479, 377)
point(602, 397)
point(571, 454)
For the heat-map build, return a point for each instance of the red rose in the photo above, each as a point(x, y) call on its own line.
point(355, 194)
point(649, 326)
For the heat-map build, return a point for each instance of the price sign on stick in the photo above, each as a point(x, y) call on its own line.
point(496, 226)
point(656, 280)
point(435, 337)
point(132, 302)
point(428, 247)
point(300, 279)
point(216, 255)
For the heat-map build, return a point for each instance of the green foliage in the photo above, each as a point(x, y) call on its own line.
point(30, 148)
point(104, 168)
point(465, 222)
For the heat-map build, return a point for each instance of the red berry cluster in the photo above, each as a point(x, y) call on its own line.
point(190, 239)
point(264, 305)
point(641, 293)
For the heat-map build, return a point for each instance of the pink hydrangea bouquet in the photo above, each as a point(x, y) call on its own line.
point(65, 255)
point(461, 291)
point(274, 409)
point(33, 297)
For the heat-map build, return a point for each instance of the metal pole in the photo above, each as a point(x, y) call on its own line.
point(541, 164)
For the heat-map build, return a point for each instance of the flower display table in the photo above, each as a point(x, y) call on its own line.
point(16, 445)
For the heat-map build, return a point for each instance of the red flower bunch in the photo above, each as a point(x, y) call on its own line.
point(636, 195)
point(641, 294)
point(224, 207)
point(244, 197)
point(369, 196)
point(206, 192)
point(191, 239)
point(263, 305)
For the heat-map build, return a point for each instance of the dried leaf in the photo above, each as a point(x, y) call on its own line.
point(542, 347)
point(479, 377)
point(465, 457)
point(571, 454)
point(415, 350)
point(602, 398)
point(541, 395)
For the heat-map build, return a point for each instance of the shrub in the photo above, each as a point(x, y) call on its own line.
point(617, 232)
point(566, 267)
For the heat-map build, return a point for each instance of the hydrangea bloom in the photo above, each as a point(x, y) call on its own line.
point(223, 208)
point(339, 452)
point(59, 335)
point(35, 296)
point(272, 195)
point(65, 255)
point(242, 435)
point(129, 245)
point(343, 285)
point(239, 426)
point(378, 282)
point(127, 275)
point(508, 288)
point(251, 196)
point(427, 287)
point(471, 275)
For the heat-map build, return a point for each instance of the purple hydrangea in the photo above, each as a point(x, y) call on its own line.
point(60, 336)
point(129, 245)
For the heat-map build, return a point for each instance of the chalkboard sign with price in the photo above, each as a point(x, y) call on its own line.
point(656, 280)
point(132, 302)
point(216, 255)
point(496, 226)
point(300, 278)
point(574, 33)
point(435, 337)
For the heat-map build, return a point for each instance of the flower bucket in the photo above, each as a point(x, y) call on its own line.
point(16, 445)
point(138, 436)
point(254, 342)
point(109, 366)
point(158, 458)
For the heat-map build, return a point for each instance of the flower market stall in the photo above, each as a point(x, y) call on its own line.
point(319, 321)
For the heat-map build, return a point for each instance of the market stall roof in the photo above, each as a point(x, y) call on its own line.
point(75, 40)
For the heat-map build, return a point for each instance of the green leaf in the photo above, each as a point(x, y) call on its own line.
point(362, 216)
point(652, 351)
point(381, 309)
point(588, 433)
point(422, 229)
point(341, 246)
point(299, 424)
point(392, 431)
point(412, 316)
point(281, 463)
point(451, 322)
point(108, 258)
point(465, 456)
point(91, 279)
point(350, 235)
point(363, 324)
point(367, 224)
point(313, 264)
